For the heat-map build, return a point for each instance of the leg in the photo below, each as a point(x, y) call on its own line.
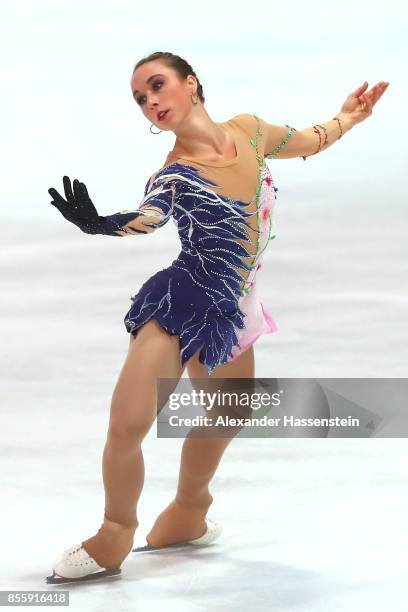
point(152, 354)
point(184, 518)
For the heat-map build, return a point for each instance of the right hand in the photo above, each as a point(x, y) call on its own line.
point(78, 207)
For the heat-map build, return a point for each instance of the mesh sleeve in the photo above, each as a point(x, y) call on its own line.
point(153, 211)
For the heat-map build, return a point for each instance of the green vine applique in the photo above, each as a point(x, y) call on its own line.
point(261, 164)
point(284, 142)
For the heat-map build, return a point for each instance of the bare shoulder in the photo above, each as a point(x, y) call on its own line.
point(245, 120)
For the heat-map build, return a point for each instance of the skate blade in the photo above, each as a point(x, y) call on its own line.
point(181, 545)
point(55, 579)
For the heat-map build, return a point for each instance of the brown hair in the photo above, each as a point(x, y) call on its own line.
point(176, 62)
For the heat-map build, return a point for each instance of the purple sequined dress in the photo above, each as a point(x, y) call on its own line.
point(207, 296)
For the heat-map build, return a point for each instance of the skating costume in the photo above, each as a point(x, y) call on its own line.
point(223, 214)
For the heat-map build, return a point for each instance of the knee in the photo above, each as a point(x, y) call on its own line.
point(128, 432)
point(131, 416)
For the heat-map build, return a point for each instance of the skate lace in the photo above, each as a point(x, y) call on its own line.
point(77, 555)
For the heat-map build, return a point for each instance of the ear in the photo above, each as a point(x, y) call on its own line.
point(191, 80)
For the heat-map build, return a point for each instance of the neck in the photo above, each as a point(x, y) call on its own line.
point(200, 135)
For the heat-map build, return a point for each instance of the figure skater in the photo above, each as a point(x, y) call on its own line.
point(202, 312)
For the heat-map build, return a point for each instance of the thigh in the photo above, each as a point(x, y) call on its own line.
point(152, 354)
point(242, 366)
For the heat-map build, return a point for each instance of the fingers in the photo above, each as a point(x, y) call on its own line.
point(365, 103)
point(68, 208)
point(84, 201)
point(360, 89)
point(68, 191)
point(56, 196)
point(64, 210)
point(378, 90)
point(84, 206)
point(375, 93)
point(84, 189)
point(77, 190)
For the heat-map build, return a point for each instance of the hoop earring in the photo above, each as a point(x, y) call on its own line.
point(196, 101)
point(154, 132)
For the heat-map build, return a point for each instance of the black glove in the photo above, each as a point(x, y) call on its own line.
point(80, 210)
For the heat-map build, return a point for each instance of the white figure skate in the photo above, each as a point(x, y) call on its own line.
point(213, 532)
point(76, 565)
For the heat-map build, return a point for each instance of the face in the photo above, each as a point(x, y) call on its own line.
point(156, 87)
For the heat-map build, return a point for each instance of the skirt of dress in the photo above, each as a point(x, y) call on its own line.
point(258, 321)
point(221, 326)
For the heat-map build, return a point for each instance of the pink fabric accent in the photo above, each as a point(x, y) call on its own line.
point(272, 325)
point(258, 321)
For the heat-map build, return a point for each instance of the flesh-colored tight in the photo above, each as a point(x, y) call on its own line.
point(153, 354)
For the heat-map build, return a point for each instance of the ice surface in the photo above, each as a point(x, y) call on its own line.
point(309, 524)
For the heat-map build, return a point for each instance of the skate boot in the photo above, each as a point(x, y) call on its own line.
point(76, 565)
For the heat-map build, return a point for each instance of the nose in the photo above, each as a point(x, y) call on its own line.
point(152, 102)
point(153, 109)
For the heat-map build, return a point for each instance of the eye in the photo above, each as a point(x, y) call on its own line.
point(138, 100)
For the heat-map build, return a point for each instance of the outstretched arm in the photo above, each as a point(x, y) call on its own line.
point(142, 222)
point(283, 143)
point(153, 212)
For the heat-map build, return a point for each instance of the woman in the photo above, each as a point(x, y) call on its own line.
point(203, 311)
